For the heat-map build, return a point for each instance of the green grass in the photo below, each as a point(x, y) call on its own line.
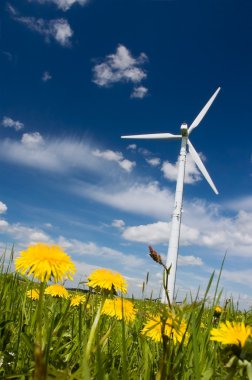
point(118, 350)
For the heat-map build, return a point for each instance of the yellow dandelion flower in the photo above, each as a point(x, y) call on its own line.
point(172, 329)
point(231, 333)
point(108, 280)
point(45, 262)
point(77, 300)
point(33, 294)
point(217, 311)
point(57, 290)
point(120, 309)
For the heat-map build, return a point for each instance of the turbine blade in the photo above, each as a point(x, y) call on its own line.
point(201, 166)
point(204, 110)
point(168, 136)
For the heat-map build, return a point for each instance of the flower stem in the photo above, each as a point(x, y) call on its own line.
point(40, 365)
point(93, 329)
point(39, 314)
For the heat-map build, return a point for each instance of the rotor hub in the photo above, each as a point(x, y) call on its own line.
point(184, 129)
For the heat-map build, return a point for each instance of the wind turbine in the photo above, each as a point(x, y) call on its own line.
point(172, 254)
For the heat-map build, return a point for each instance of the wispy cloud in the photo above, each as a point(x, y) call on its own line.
point(121, 67)
point(110, 155)
point(157, 233)
point(189, 260)
point(23, 235)
point(132, 146)
point(238, 276)
point(106, 255)
point(7, 54)
point(139, 92)
point(57, 29)
point(206, 230)
point(204, 224)
point(8, 122)
point(118, 223)
point(243, 203)
point(46, 76)
point(32, 140)
point(3, 208)
point(153, 161)
point(192, 174)
point(139, 198)
point(60, 155)
point(64, 5)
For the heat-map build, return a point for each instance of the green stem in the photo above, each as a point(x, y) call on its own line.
point(39, 314)
point(93, 330)
point(40, 365)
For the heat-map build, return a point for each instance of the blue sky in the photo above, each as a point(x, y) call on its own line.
point(75, 75)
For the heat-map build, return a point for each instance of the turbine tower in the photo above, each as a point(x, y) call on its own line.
point(172, 255)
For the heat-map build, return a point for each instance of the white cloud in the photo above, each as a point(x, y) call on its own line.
point(192, 174)
point(32, 140)
point(231, 234)
point(61, 31)
point(243, 203)
point(139, 198)
point(153, 161)
point(22, 234)
point(58, 155)
point(7, 122)
point(159, 232)
point(132, 146)
point(189, 260)
point(119, 67)
point(48, 225)
point(110, 155)
point(208, 226)
point(127, 165)
point(3, 225)
point(57, 29)
point(206, 230)
point(46, 76)
point(144, 151)
point(106, 255)
point(139, 92)
point(64, 5)
point(3, 208)
point(238, 276)
point(118, 223)
point(62, 155)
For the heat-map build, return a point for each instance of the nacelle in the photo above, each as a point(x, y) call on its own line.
point(184, 129)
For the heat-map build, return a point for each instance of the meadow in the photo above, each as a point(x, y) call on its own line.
point(49, 332)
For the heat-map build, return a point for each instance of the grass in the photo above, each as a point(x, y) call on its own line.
point(118, 350)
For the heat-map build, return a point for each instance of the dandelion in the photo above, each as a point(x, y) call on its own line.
point(57, 290)
point(217, 311)
point(33, 294)
point(231, 333)
point(172, 328)
point(77, 300)
point(45, 262)
point(107, 280)
point(120, 309)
